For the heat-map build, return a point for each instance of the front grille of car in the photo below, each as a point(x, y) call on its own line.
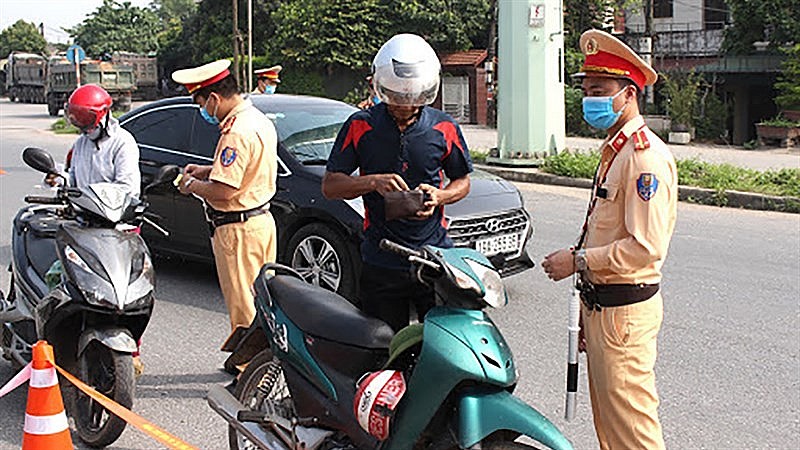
point(466, 231)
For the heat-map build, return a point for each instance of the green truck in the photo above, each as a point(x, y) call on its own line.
point(25, 77)
point(116, 78)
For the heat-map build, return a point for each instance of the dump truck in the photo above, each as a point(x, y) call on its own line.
point(25, 77)
point(145, 69)
point(116, 78)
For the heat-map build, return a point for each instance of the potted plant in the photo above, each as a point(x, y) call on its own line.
point(780, 129)
point(681, 91)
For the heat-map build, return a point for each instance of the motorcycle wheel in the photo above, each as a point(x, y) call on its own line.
point(110, 373)
point(262, 387)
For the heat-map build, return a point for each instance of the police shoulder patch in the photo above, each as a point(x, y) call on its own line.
point(227, 156)
point(646, 186)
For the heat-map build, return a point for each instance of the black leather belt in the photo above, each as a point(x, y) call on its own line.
point(217, 219)
point(597, 296)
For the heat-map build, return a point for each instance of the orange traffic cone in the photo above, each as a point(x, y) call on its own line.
point(46, 426)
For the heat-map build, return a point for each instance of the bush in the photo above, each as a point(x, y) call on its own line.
point(711, 117)
point(691, 172)
point(572, 164)
point(681, 90)
point(788, 85)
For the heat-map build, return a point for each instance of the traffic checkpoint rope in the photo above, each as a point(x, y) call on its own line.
point(125, 414)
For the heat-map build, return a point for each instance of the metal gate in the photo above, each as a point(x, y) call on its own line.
point(455, 97)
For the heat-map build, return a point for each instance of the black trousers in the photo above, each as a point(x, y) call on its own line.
point(387, 294)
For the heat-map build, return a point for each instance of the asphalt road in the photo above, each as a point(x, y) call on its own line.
point(728, 369)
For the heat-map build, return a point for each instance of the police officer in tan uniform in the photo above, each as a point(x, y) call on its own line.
point(622, 247)
point(267, 80)
point(237, 187)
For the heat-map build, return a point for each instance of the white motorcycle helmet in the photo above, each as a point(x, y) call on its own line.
point(405, 72)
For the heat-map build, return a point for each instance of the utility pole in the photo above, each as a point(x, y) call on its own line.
point(647, 50)
point(249, 45)
point(236, 41)
point(530, 81)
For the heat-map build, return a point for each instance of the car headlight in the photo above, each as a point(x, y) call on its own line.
point(494, 291)
point(95, 289)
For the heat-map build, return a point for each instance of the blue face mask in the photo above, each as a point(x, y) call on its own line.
point(375, 100)
point(269, 89)
point(599, 111)
point(212, 119)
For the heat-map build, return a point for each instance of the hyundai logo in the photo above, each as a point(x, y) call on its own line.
point(493, 225)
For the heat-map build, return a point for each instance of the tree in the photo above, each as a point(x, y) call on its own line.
point(116, 26)
point(21, 36)
point(788, 85)
point(448, 25)
point(326, 35)
point(773, 21)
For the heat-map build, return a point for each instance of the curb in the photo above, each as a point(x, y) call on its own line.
point(731, 199)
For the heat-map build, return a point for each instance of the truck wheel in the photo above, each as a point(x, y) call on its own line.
point(52, 108)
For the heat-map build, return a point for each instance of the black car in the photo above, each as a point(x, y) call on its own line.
point(320, 238)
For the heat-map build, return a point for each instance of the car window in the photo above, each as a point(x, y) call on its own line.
point(166, 127)
point(204, 136)
point(308, 131)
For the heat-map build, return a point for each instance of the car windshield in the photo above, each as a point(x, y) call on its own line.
point(308, 130)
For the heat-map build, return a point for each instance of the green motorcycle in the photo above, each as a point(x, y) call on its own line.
point(323, 375)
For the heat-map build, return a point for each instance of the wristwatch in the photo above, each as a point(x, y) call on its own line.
point(579, 260)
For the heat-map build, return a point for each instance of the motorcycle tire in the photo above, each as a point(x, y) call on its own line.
point(110, 373)
point(262, 381)
point(505, 445)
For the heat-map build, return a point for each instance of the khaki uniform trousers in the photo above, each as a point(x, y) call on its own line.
point(240, 250)
point(621, 354)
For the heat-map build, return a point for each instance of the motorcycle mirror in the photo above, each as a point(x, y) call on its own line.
point(39, 159)
point(166, 174)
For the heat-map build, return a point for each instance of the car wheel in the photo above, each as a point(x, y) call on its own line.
point(324, 258)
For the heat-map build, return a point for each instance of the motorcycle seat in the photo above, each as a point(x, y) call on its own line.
point(327, 315)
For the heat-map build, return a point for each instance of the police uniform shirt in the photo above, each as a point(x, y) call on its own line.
point(113, 159)
point(425, 152)
point(245, 158)
point(630, 226)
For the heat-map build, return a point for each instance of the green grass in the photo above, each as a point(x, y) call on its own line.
point(692, 172)
point(61, 126)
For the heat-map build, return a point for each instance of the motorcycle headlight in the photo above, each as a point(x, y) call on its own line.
point(141, 282)
point(494, 291)
point(464, 281)
point(95, 289)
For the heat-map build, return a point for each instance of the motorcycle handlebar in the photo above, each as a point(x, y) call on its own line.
point(43, 200)
point(393, 247)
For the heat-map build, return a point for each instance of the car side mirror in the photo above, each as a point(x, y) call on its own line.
point(166, 174)
point(39, 159)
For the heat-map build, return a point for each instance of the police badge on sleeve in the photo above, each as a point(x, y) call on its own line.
point(646, 186)
point(227, 156)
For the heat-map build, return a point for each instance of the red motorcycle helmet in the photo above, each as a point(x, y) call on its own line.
point(87, 106)
point(377, 396)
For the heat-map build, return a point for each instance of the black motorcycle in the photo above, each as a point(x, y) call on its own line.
point(83, 280)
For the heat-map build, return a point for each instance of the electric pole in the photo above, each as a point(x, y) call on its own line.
point(236, 41)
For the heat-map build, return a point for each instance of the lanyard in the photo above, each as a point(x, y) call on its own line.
point(593, 200)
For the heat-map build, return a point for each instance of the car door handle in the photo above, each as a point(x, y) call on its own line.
point(149, 163)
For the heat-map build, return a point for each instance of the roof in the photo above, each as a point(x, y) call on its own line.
point(473, 58)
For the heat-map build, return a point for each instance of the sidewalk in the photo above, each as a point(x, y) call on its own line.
point(483, 138)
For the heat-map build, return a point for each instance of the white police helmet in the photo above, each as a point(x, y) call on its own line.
point(405, 72)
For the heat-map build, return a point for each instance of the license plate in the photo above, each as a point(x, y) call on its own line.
point(506, 243)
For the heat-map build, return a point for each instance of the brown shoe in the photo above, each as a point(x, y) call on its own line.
point(138, 367)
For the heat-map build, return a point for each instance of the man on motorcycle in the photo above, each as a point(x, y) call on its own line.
point(398, 145)
point(104, 152)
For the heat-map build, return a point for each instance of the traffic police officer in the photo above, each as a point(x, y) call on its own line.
point(237, 187)
point(267, 80)
point(622, 247)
